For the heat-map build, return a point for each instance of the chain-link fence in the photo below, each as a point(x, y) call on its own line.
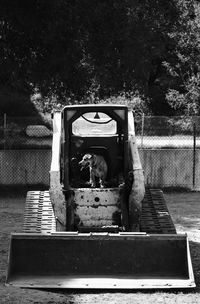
point(25, 150)
point(170, 150)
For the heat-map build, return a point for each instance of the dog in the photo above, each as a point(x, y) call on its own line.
point(98, 168)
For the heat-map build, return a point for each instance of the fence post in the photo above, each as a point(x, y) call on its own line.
point(4, 128)
point(194, 155)
point(142, 130)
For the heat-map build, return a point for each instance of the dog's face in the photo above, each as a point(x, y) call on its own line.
point(86, 161)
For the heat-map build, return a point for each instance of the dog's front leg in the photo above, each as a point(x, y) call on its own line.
point(92, 179)
point(102, 182)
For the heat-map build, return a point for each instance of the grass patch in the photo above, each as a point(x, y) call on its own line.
point(176, 189)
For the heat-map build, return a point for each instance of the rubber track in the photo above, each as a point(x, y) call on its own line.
point(38, 215)
point(155, 214)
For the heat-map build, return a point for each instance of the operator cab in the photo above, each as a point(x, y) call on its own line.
point(96, 130)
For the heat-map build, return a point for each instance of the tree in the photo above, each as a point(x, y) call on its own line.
point(183, 67)
point(92, 49)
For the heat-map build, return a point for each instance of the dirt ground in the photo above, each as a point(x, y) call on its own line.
point(185, 211)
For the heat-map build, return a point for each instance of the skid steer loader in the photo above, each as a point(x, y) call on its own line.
point(116, 236)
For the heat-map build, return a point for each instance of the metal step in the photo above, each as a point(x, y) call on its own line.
point(39, 216)
point(155, 216)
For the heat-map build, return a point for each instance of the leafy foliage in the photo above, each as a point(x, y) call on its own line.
point(184, 66)
point(91, 50)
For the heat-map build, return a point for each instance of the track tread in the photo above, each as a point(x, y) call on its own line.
point(38, 216)
point(155, 216)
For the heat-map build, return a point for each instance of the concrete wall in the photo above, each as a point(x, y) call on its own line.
point(170, 167)
point(25, 167)
point(162, 167)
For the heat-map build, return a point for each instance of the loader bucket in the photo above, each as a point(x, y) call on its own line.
point(100, 261)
